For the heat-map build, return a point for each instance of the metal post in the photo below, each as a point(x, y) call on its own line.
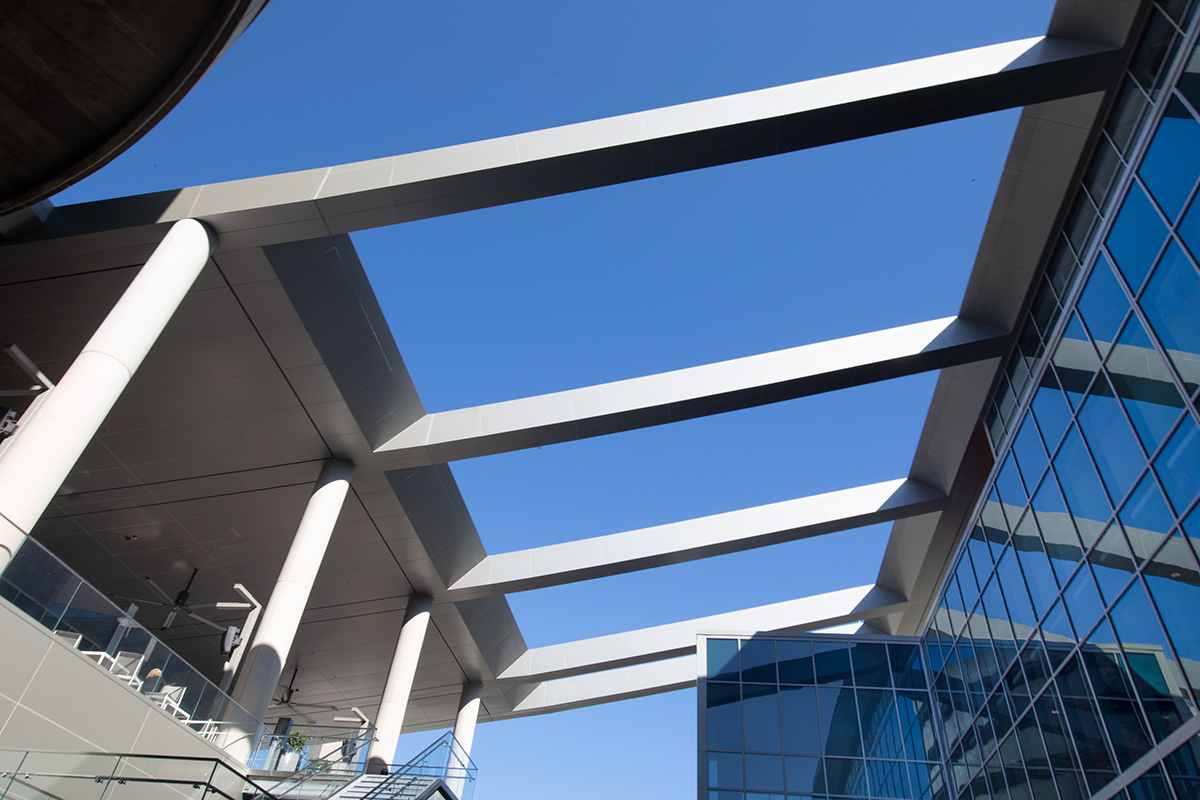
point(396, 690)
point(40, 455)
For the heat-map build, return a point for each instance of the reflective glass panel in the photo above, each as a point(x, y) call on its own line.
point(724, 716)
point(722, 660)
point(1172, 163)
point(1136, 237)
point(1103, 306)
point(1170, 303)
point(760, 715)
point(1079, 482)
point(1050, 409)
point(832, 663)
point(802, 733)
point(764, 773)
point(758, 661)
point(795, 662)
point(1075, 361)
point(1146, 518)
point(725, 770)
point(1178, 465)
point(1144, 384)
point(870, 665)
point(1114, 446)
point(804, 774)
point(839, 721)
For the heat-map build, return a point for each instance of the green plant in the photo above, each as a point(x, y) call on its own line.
point(296, 741)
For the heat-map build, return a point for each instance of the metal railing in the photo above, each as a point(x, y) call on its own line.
point(328, 761)
point(50, 775)
point(443, 760)
point(41, 585)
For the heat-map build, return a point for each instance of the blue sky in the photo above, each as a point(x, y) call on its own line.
point(624, 281)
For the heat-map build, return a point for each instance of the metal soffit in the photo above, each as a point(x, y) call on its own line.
point(280, 358)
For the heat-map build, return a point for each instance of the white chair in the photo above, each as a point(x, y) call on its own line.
point(70, 637)
point(100, 657)
point(169, 699)
point(125, 667)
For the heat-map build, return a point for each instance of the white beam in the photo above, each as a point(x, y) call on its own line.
point(693, 539)
point(693, 392)
point(679, 638)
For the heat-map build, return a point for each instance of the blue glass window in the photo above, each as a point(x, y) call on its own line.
point(725, 770)
point(795, 662)
point(839, 722)
point(760, 716)
point(1080, 485)
point(1103, 306)
point(804, 774)
point(1050, 409)
point(1083, 601)
point(722, 660)
point(1146, 518)
point(1143, 382)
point(1075, 360)
point(1112, 563)
point(870, 665)
point(1170, 303)
point(758, 661)
point(1178, 465)
point(764, 773)
point(832, 663)
point(1113, 443)
point(1136, 237)
point(724, 716)
point(802, 733)
point(1172, 163)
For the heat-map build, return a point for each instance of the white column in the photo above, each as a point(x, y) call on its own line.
point(45, 447)
point(281, 617)
point(396, 690)
point(464, 733)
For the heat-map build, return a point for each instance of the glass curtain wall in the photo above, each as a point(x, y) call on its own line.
point(1065, 646)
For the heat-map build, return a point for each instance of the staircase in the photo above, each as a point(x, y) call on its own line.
point(370, 787)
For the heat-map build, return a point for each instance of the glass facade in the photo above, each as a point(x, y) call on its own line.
point(818, 716)
point(1062, 660)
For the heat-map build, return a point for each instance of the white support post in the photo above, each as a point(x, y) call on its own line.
point(272, 643)
point(464, 734)
point(40, 455)
point(396, 690)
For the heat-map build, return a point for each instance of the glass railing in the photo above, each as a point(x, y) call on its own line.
point(443, 760)
point(323, 760)
point(334, 748)
point(45, 775)
point(49, 591)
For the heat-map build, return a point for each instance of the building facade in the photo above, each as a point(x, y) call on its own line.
point(1063, 657)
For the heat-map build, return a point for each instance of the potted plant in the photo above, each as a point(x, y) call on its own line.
point(290, 749)
point(296, 741)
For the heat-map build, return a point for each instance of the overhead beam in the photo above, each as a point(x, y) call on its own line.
point(350, 197)
point(692, 539)
point(605, 687)
point(679, 638)
point(694, 392)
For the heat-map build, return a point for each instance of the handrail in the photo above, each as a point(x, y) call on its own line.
point(21, 775)
point(409, 773)
point(320, 766)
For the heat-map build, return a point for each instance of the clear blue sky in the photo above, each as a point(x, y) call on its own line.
point(624, 281)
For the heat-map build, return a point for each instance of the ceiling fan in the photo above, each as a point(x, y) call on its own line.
point(290, 691)
point(179, 604)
